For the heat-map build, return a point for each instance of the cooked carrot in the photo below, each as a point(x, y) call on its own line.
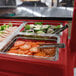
point(25, 52)
point(40, 54)
point(25, 47)
point(13, 51)
point(30, 48)
point(29, 53)
point(34, 45)
point(34, 49)
point(19, 43)
point(14, 48)
point(20, 52)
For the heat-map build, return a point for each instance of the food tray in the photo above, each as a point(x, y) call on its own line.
point(41, 27)
point(9, 23)
point(51, 39)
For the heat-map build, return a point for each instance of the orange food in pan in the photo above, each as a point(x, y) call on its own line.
point(13, 51)
point(25, 47)
point(31, 48)
point(19, 43)
point(20, 52)
point(50, 51)
point(26, 52)
point(34, 49)
point(14, 48)
point(41, 54)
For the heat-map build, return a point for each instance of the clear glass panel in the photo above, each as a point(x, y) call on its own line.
point(45, 3)
point(37, 3)
point(36, 8)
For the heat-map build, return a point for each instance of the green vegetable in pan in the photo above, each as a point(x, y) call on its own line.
point(10, 24)
point(2, 28)
point(39, 28)
point(57, 27)
point(24, 31)
point(38, 23)
point(27, 27)
point(30, 32)
point(7, 26)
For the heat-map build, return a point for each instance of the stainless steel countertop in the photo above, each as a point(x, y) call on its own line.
point(61, 12)
point(44, 12)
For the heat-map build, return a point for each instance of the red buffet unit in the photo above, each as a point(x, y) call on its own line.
point(72, 40)
point(21, 53)
point(35, 63)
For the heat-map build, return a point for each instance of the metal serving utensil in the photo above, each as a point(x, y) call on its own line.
point(51, 45)
point(61, 29)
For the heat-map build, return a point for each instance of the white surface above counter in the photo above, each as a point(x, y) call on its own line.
point(44, 12)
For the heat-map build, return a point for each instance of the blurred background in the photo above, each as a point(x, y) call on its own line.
point(36, 8)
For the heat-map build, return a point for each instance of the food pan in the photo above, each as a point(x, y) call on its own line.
point(8, 29)
point(50, 37)
point(41, 27)
point(35, 39)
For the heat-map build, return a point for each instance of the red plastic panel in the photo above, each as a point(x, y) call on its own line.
point(36, 67)
point(73, 37)
point(73, 32)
